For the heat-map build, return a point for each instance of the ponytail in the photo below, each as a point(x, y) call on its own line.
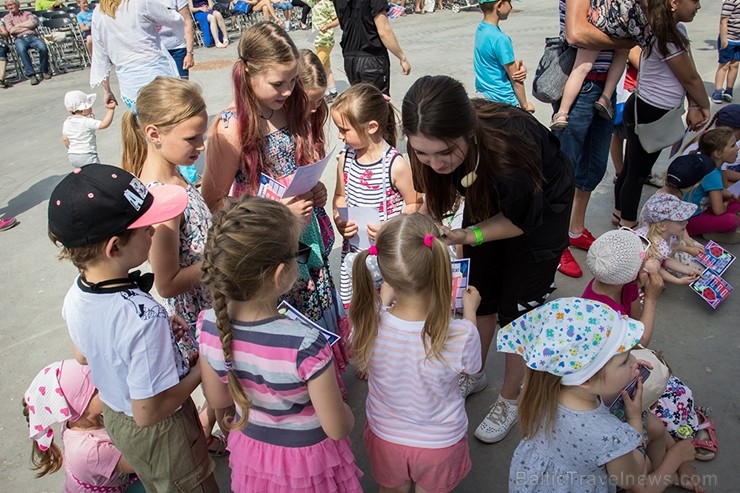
point(134, 144)
point(437, 322)
point(363, 311)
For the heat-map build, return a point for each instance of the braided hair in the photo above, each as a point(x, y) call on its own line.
point(247, 242)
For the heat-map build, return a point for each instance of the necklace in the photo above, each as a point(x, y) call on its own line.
point(267, 117)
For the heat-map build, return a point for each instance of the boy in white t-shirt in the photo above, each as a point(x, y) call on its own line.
point(102, 217)
point(78, 130)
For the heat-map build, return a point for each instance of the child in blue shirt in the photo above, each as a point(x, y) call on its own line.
point(84, 22)
point(498, 75)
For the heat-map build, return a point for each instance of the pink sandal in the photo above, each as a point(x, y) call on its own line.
point(7, 223)
point(705, 442)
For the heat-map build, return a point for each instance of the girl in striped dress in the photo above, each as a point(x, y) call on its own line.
point(291, 431)
point(371, 172)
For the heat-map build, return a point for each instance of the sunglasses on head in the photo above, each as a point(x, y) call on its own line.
point(646, 243)
point(301, 256)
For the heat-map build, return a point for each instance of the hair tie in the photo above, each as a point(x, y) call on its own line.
point(387, 98)
point(372, 250)
point(227, 366)
point(428, 240)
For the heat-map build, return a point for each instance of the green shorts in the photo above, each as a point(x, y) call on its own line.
point(170, 456)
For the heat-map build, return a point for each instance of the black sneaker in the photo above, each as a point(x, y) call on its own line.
point(35, 80)
point(46, 75)
point(3, 84)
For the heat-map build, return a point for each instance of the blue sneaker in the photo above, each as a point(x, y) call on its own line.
point(717, 96)
point(727, 95)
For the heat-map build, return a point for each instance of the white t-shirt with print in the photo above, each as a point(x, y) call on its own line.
point(80, 130)
point(125, 336)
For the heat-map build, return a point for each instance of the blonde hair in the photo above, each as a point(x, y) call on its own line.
point(164, 102)
point(46, 461)
point(109, 7)
point(409, 267)
point(363, 103)
point(655, 235)
point(246, 243)
point(538, 402)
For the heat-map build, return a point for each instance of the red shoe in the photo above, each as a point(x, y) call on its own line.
point(568, 265)
point(584, 241)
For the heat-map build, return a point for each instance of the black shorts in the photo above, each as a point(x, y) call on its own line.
point(509, 279)
point(375, 70)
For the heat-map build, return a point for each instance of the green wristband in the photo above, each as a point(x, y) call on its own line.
point(478, 235)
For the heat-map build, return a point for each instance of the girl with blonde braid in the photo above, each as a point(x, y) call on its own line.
point(291, 431)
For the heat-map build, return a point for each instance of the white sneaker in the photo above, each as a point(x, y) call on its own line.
point(470, 384)
point(498, 423)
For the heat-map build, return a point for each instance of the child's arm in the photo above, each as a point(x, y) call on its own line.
point(78, 356)
point(346, 229)
point(628, 469)
point(334, 414)
point(689, 245)
point(154, 409)
point(676, 266)
point(216, 392)
point(662, 474)
point(108, 118)
point(330, 26)
point(652, 287)
point(471, 302)
point(222, 163)
point(723, 23)
point(682, 66)
point(169, 278)
point(729, 177)
point(402, 180)
point(65, 140)
point(519, 90)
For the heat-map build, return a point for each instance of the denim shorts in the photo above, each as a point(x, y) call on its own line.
point(729, 54)
point(586, 139)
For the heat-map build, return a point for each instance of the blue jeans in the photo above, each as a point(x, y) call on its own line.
point(587, 138)
point(25, 43)
point(179, 56)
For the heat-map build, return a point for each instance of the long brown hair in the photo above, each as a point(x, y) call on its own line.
point(363, 103)
point(247, 242)
point(261, 46)
point(312, 74)
point(46, 461)
point(408, 266)
point(164, 102)
point(663, 25)
point(438, 107)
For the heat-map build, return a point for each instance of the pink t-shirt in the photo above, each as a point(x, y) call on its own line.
point(89, 458)
point(413, 400)
point(630, 292)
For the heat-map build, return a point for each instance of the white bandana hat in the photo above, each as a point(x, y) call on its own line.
point(572, 338)
point(60, 392)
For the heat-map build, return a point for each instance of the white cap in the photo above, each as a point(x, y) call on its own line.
point(614, 258)
point(78, 100)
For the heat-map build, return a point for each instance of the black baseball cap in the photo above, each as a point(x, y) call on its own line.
point(99, 201)
point(686, 171)
point(729, 116)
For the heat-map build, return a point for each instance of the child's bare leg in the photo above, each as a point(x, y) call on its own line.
point(662, 475)
point(581, 67)
point(619, 63)
point(330, 82)
point(658, 438)
point(687, 478)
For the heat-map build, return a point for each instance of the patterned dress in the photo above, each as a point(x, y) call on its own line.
point(367, 185)
point(193, 231)
point(314, 294)
point(622, 19)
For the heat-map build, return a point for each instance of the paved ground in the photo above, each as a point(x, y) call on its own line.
point(698, 342)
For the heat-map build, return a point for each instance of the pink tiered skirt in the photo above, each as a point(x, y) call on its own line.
point(259, 467)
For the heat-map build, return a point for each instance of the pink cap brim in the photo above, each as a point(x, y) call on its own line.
point(169, 202)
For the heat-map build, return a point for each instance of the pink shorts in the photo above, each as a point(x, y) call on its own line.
point(437, 470)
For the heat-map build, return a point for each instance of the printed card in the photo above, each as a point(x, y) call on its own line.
point(362, 216)
point(306, 177)
point(712, 288)
point(270, 188)
point(291, 312)
point(715, 257)
point(460, 276)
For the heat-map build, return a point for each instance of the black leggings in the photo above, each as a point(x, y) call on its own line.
point(306, 9)
point(637, 161)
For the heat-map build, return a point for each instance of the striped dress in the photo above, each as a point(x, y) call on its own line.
point(412, 400)
point(367, 185)
point(283, 446)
